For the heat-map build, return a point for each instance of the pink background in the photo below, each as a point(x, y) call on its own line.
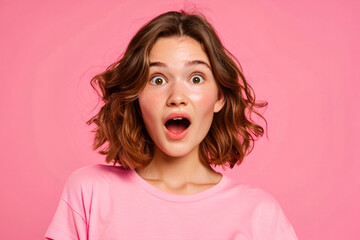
point(302, 57)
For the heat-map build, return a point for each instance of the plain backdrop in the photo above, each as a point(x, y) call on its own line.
point(300, 56)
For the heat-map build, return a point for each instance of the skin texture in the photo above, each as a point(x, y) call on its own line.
point(180, 80)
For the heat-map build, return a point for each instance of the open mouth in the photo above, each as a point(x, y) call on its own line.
point(177, 125)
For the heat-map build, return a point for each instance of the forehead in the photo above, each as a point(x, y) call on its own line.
point(177, 48)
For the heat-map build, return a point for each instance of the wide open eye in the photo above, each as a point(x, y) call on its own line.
point(196, 79)
point(157, 80)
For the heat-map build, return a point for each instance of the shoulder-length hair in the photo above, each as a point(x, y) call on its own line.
point(119, 125)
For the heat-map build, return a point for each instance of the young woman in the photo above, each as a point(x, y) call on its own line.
point(175, 104)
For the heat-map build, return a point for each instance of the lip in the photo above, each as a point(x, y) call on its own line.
point(176, 136)
point(177, 115)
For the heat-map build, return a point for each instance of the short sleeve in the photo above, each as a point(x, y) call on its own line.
point(270, 223)
point(66, 224)
point(70, 219)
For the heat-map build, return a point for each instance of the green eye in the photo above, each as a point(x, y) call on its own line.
point(196, 79)
point(157, 80)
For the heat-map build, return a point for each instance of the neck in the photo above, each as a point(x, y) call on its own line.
point(178, 170)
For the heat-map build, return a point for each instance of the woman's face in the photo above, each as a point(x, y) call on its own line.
point(181, 96)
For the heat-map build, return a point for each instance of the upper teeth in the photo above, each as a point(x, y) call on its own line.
point(177, 118)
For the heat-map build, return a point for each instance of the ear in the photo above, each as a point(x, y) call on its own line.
point(219, 103)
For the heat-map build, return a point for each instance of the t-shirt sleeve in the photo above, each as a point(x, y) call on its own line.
point(66, 224)
point(270, 223)
point(69, 221)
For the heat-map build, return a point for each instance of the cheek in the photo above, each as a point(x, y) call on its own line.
point(205, 102)
point(149, 105)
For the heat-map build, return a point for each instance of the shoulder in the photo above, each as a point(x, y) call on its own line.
point(256, 201)
point(98, 176)
point(267, 216)
point(252, 194)
point(265, 213)
point(96, 172)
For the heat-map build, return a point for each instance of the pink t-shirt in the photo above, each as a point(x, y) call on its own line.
point(108, 202)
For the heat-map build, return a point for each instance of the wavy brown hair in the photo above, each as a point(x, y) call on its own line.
point(120, 131)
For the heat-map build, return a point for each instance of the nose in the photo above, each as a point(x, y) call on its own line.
point(177, 95)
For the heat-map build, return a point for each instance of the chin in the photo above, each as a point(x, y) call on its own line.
point(177, 151)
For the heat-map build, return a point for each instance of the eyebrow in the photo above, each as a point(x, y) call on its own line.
point(187, 64)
